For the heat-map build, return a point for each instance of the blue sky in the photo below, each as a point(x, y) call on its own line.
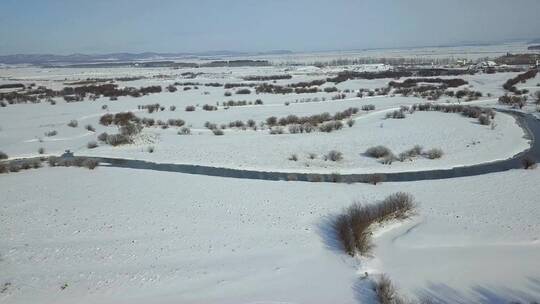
point(101, 26)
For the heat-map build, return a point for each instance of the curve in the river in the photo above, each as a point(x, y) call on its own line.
point(529, 123)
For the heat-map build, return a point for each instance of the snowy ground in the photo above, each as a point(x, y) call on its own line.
point(134, 236)
point(124, 236)
point(464, 141)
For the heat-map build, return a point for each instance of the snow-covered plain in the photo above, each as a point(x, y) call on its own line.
point(135, 236)
point(463, 140)
point(111, 235)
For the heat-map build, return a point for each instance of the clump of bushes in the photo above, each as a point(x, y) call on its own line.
point(434, 153)
point(92, 144)
point(354, 226)
point(397, 114)
point(484, 120)
point(86, 162)
point(16, 166)
point(208, 107)
point(411, 153)
point(73, 123)
point(190, 108)
point(184, 131)
point(333, 155)
point(368, 107)
point(176, 122)
point(331, 126)
point(513, 101)
point(378, 151)
point(277, 130)
point(51, 133)
point(386, 292)
point(243, 91)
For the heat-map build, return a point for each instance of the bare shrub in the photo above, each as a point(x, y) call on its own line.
point(397, 114)
point(106, 119)
point(330, 126)
point(184, 131)
point(73, 123)
point(41, 150)
point(350, 122)
point(129, 129)
point(218, 132)
point(14, 167)
point(312, 155)
point(150, 149)
point(484, 120)
point(434, 153)
point(51, 133)
point(411, 153)
point(172, 108)
point(385, 291)
point(293, 157)
point(118, 139)
point(26, 164)
point(368, 107)
point(333, 155)
point(378, 151)
point(375, 179)
point(3, 155)
point(388, 159)
point(251, 123)
point(190, 108)
point(91, 144)
point(243, 91)
point(90, 128)
point(208, 107)
point(528, 163)
point(277, 130)
point(353, 226)
point(103, 136)
point(90, 163)
point(4, 168)
point(176, 122)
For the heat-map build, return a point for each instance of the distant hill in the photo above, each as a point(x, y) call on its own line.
point(51, 59)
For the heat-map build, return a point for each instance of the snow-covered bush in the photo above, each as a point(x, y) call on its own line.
point(434, 153)
point(91, 144)
point(353, 227)
point(378, 151)
point(184, 131)
point(73, 123)
point(334, 155)
point(528, 163)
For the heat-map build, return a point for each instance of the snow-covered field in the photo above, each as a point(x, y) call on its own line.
point(135, 236)
point(111, 235)
point(463, 140)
